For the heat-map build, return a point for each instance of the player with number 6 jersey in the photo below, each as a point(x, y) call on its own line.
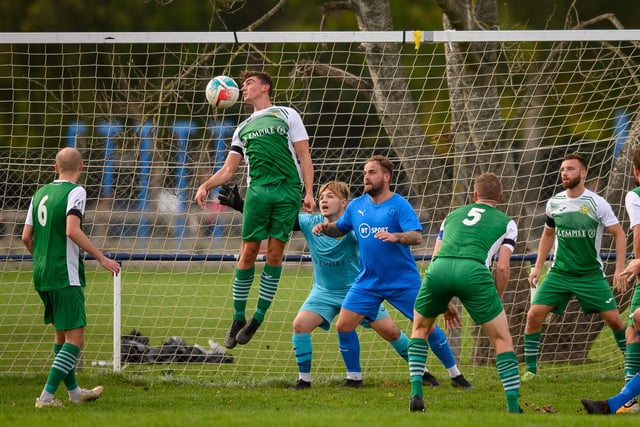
point(53, 234)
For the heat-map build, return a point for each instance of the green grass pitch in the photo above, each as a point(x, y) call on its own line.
point(242, 395)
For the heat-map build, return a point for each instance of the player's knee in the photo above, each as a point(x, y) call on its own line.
point(301, 326)
point(613, 319)
point(274, 260)
point(636, 319)
point(341, 327)
point(297, 327)
point(275, 252)
point(535, 316)
point(631, 334)
point(249, 253)
point(345, 326)
point(422, 329)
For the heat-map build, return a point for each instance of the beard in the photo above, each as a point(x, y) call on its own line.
point(571, 183)
point(373, 189)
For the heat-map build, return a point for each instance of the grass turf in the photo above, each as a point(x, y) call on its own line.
point(238, 395)
point(140, 401)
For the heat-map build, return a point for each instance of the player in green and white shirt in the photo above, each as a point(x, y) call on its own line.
point(626, 401)
point(632, 355)
point(576, 219)
point(469, 238)
point(53, 235)
point(56, 258)
point(275, 146)
point(632, 204)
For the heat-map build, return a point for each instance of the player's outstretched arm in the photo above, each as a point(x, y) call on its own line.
point(327, 228)
point(222, 176)
point(75, 233)
point(408, 238)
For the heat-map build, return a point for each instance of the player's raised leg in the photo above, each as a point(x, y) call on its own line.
point(269, 280)
point(243, 279)
point(615, 403)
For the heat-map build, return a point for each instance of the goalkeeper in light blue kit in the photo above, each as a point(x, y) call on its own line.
point(335, 267)
point(384, 225)
point(469, 238)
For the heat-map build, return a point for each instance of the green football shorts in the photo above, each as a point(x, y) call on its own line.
point(64, 308)
point(592, 292)
point(469, 280)
point(270, 211)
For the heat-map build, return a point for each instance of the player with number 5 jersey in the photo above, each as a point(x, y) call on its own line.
point(476, 232)
point(469, 238)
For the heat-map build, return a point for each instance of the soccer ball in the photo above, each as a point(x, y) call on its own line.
point(222, 92)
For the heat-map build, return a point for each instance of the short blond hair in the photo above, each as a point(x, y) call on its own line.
point(338, 188)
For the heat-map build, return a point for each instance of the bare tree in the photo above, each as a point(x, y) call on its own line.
point(388, 90)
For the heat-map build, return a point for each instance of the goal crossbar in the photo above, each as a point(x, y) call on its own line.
point(415, 36)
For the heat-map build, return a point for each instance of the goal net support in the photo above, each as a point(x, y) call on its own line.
point(444, 106)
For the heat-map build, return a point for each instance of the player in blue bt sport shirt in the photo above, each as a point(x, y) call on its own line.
point(385, 226)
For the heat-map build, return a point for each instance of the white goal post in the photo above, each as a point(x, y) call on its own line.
point(442, 105)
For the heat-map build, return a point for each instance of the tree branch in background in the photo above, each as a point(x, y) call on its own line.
point(306, 69)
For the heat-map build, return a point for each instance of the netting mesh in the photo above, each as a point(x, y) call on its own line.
point(443, 113)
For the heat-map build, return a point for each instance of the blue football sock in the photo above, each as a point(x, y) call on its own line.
point(303, 351)
point(629, 391)
point(440, 347)
point(401, 346)
point(350, 350)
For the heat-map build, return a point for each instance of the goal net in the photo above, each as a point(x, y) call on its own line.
point(443, 106)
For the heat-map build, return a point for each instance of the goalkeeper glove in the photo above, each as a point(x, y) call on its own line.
point(230, 196)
